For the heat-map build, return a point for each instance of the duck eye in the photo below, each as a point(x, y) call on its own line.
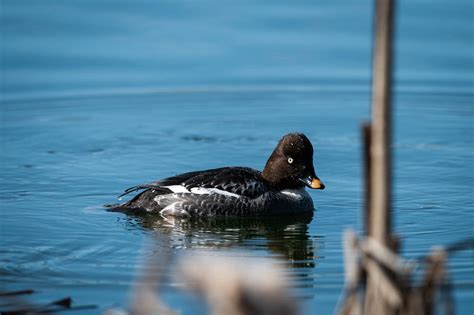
point(290, 160)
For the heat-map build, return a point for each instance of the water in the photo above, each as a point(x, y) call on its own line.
point(100, 96)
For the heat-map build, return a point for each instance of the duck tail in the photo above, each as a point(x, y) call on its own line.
point(125, 208)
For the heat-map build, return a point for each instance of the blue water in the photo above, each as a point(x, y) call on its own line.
point(97, 96)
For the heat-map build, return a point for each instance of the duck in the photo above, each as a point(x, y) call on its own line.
point(278, 189)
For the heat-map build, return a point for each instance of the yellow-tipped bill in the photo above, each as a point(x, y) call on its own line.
point(316, 183)
point(313, 182)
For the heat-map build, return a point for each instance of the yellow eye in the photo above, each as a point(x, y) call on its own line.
point(290, 160)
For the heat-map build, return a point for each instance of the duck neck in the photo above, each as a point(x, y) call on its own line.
point(274, 174)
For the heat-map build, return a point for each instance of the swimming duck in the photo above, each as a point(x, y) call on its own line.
point(235, 191)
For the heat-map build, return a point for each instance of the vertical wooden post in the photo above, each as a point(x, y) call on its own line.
point(380, 162)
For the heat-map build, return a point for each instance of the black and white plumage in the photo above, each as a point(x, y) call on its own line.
point(236, 191)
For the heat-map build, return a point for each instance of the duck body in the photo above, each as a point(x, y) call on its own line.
point(235, 191)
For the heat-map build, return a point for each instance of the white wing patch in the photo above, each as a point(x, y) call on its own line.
point(177, 189)
point(208, 191)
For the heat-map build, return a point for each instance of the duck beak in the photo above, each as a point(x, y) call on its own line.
point(313, 182)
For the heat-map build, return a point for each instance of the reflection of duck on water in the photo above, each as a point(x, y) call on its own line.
point(285, 236)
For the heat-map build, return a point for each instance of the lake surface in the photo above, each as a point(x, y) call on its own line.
point(98, 96)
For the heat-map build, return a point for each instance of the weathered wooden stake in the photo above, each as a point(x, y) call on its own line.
point(380, 162)
point(379, 299)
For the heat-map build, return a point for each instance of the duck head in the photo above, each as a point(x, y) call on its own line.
point(290, 165)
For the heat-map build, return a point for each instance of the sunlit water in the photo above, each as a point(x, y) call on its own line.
point(98, 98)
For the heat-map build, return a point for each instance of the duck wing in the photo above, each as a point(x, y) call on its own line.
point(237, 181)
point(161, 185)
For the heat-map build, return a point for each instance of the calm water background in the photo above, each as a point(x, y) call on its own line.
point(97, 96)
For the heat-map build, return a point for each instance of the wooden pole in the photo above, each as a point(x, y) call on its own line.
point(380, 162)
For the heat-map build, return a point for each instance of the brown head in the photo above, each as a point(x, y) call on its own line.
point(290, 165)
